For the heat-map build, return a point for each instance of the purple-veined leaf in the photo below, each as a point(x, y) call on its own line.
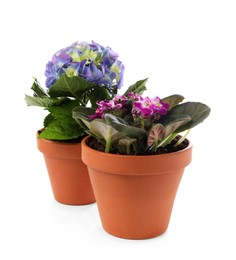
point(156, 135)
point(174, 125)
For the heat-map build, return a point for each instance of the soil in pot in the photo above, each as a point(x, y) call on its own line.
point(170, 148)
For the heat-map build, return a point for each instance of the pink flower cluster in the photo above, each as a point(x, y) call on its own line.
point(149, 107)
point(142, 107)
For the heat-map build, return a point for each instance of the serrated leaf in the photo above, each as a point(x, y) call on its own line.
point(64, 110)
point(38, 101)
point(70, 87)
point(58, 130)
point(195, 110)
point(137, 88)
point(173, 100)
point(48, 120)
point(38, 90)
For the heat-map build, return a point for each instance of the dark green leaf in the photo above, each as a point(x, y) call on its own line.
point(137, 88)
point(70, 87)
point(64, 110)
point(195, 110)
point(112, 119)
point(104, 131)
point(175, 124)
point(59, 130)
point(79, 113)
point(122, 127)
point(59, 124)
point(48, 120)
point(98, 94)
point(173, 100)
point(38, 90)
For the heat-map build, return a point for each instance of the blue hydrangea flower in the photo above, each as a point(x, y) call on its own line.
point(91, 61)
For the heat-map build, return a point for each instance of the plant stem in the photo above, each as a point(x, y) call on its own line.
point(142, 123)
point(81, 101)
point(167, 140)
point(182, 138)
point(128, 149)
point(108, 143)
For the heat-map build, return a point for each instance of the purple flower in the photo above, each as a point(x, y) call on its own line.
point(149, 108)
point(134, 97)
point(91, 61)
point(159, 107)
point(142, 108)
point(109, 106)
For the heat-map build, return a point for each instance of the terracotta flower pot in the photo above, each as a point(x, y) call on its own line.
point(68, 174)
point(135, 194)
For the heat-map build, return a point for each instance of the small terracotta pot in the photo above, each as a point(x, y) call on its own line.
point(68, 174)
point(135, 194)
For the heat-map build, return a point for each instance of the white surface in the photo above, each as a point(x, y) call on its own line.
point(185, 47)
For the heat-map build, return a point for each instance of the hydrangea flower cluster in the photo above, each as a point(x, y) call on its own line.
point(91, 61)
point(142, 107)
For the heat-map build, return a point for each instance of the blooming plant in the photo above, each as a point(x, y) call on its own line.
point(78, 75)
point(136, 125)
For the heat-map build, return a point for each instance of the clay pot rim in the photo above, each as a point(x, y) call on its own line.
point(55, 142)
point(190, 145)
point(57, 148)
point(145, 164)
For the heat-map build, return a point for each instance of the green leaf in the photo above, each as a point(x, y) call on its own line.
point(70, 87)
point(173, 100)
point(104, 131)
point(125, 145)
point(195, 110)
point(38, 90)
point(38, 101)
point(174, 123)
point(98, 94)
point(64, 110)
point(121, 126)
point(48, 120)
point(137, 88)
point(97, 127)
point(59, 124)
point(112, 119)
point(61, 131)
point(79, 113)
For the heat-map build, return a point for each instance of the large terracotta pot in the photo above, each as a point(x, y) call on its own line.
point(68, 174)
point(135, 194)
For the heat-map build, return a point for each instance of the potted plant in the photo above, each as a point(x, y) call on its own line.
point(78, 75)
point(136, 157)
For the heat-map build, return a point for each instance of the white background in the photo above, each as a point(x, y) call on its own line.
point(186, 47)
